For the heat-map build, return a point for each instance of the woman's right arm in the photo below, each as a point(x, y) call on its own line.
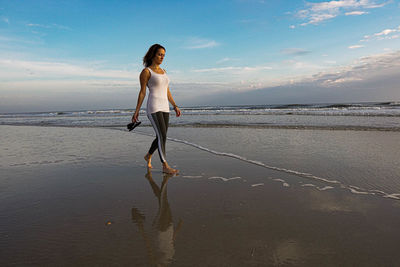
point(144, 78)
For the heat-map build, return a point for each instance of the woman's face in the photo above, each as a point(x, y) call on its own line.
point(159, 57)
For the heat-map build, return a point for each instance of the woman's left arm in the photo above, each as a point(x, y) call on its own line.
point(171, 100)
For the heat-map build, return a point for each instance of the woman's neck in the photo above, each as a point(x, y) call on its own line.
point(155, 66)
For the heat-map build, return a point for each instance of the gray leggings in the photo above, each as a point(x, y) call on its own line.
point(160, 121)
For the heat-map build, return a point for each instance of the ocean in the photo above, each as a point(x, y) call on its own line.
point(361, 116)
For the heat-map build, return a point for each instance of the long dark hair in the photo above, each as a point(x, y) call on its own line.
point(148, 58)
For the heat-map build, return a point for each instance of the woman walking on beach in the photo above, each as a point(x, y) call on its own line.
point(156, 79)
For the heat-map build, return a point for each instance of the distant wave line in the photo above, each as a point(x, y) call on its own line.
point(234, 112)
point(219, 125)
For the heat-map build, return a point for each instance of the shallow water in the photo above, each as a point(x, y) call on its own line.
point(364, 160)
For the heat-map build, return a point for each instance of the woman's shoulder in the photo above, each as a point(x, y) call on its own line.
point(146, 70)
point(145, 73)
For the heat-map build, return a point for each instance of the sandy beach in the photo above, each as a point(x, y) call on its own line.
point(83, 197)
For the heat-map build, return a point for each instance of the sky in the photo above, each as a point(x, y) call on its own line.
point(78, 55)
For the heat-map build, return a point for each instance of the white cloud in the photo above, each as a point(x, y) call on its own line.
point(355, 46)
point(295, 51)
point(23, 69)
point(329, 82)
point(364, 68)
point(39, 85)
point(48, 26)
point(199, 43)
point(386, 34)
point(318, 18)
point(334, 5)
point(372, 78)
point(229, 69)
point(317, 13)
point(66, 85)
point(37, 25)
point(301, 65)
point(14, 46)
point(355, 13)
point(226, 59)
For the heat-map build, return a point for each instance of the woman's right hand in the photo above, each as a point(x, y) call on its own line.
point(135, 117)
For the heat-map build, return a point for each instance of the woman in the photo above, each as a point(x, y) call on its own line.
point(156, 79)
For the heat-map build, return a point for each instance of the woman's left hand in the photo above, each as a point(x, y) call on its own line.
point(177, 111)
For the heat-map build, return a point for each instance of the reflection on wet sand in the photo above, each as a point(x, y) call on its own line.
point(159, 241)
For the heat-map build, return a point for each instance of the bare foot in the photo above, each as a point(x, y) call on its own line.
point(148, 159)
point(169, 170)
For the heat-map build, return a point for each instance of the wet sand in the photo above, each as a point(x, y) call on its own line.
point(83, 197)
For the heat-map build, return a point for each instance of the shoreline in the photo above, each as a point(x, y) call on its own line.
point(251, 126)
point(301, 174)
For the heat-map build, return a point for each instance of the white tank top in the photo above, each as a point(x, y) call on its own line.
point(158, 92)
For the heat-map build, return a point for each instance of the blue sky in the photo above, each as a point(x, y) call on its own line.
point(62, 55)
